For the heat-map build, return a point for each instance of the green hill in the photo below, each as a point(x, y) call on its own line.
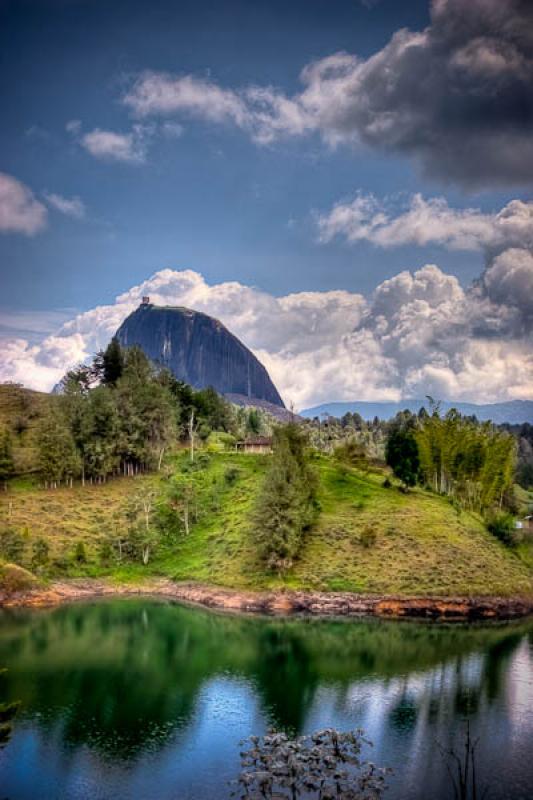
point(368, 538)
point(20, 412)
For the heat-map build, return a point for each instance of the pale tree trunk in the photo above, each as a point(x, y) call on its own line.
point(191, 435)
point(186, 516)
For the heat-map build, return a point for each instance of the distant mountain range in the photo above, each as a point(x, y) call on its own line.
point(513, 411)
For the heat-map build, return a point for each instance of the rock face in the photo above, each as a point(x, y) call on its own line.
point(198, 350)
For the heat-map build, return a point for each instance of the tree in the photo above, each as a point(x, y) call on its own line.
point(7, 464)
point(139, 513)
point(213, 410)
point(253, 422)
point(112, 362)
point(470, 461)
point(99, 433)
point(58, 459)
point(285, 505)
point(182, 500)
point(192, 429)
point(401, 451)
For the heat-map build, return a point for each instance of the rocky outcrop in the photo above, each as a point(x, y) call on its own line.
point(198, 350)
point(322, 604)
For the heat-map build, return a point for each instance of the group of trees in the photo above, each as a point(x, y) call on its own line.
point(329, 433)
point(472, 462)
point(524, 467)
point(119, 415)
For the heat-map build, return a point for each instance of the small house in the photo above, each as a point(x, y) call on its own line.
point(255, 444)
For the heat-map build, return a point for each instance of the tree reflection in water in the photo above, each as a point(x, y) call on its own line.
point(128, 677)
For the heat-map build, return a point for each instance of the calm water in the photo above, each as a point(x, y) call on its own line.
point(148, 700)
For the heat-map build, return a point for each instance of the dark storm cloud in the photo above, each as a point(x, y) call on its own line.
point(457, 96)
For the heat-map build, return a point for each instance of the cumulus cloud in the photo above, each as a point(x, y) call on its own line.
point(509, 279)
point(428, 221)
point(455, 96)
point(419, 332)
point(504, 238)
point(70, 206)
point(20, 211)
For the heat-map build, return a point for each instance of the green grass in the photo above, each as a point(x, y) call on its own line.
point(367, 538)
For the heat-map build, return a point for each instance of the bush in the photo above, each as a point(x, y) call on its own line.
point(218, 442)
point(231, 475)
point(368, 536)
point(80, 554)
point(60, 563)
point(12, 545)
point(502, 527)
point(352, 453)
point(15, 579)
point(106, 552)
point(40, 553)
point(387, 483)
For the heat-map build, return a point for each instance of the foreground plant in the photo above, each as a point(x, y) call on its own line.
point(325, 765)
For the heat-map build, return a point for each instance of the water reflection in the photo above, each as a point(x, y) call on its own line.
point(117, 694)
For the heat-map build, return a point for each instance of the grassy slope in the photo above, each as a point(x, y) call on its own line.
point(20, 407)
point(422, 544)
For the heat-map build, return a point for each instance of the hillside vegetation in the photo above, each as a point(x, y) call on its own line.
point(366, 538)
point(21, 411)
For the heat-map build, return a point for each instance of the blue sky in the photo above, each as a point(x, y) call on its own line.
point(209, 185)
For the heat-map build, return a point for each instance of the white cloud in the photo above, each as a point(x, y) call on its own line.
point(420, 332)
point(112, 146)
point(428, 221)
point(71, 206)
point(262, 111)
point(33, 325)
point(509, 279)
point(455, 96)
point(20, 211)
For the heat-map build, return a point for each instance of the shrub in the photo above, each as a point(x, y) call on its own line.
point(80, 554)
point(352, 453)
point(106, 552)
point(40, 553)
point(502, 527)
point(387, 483)
point(61, 561)
point(218, 441)
point(15, 579)
point(12, 545)
point(368, 536)
point(231, 475)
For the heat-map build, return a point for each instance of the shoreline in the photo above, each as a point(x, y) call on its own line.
point(280, 603)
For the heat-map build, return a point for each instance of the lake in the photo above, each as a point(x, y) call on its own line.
point(142, 699)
